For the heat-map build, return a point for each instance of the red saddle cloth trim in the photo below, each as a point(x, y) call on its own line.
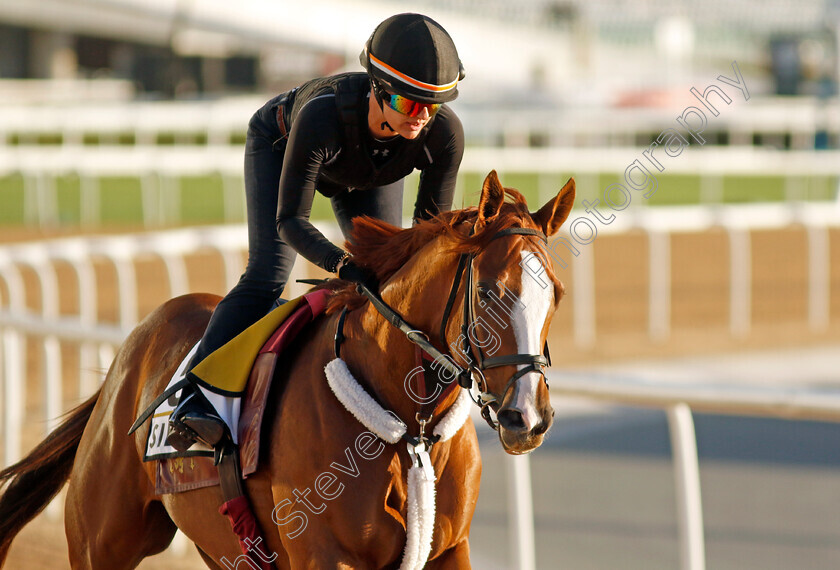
point(253, 406)
point(179, 474)
point(316, 302)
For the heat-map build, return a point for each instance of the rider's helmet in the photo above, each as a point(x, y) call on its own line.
point(412, 55)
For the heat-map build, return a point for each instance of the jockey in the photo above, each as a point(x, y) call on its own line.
point(353, 137)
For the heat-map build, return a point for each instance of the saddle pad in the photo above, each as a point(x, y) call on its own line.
point(233, 360)
point(193, 469)
point(156, 447)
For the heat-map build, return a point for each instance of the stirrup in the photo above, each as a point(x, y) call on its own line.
point(193, 421)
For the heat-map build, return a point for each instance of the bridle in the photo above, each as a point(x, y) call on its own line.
point(477, 363)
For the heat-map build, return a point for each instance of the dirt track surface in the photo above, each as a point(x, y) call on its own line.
point(699, 320)
point(42, 546)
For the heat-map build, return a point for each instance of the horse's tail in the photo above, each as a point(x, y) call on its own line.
point(32, 482)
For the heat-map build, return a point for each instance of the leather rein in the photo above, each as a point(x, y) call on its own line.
point(477, 362)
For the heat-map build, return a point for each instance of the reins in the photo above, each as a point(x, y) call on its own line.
point(477, 362)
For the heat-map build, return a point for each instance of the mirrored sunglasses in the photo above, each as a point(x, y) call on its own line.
point(408, 107)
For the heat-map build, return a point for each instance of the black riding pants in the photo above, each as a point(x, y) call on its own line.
point(270, 259)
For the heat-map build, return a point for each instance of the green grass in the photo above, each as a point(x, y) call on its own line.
point(742, 189)
point(120, 200)
point(69, 200)
point(200, 200)
point(11, 199)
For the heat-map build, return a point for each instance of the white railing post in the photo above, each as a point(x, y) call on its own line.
point(47, 199)
point(521, 509)
point(14, 359)
point(127, 286)
point(150, 196)
point(740, 282)
point(711, 188)
point(91, 199)
point(819, 278)
point(177, 273)
point(659, 287)
point(13, 394)
point(687, 484)
point(89, 378)
point(170, 199)
point(584, 315)
point(53, 388)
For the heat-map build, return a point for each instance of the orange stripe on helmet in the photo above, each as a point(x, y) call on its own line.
point(410, 80)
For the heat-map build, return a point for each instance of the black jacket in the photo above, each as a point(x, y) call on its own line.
point(327, 147)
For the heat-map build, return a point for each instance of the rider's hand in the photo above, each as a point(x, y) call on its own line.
point(341, 263)
point(349, 271)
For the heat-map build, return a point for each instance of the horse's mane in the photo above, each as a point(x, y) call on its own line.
point(385, 248)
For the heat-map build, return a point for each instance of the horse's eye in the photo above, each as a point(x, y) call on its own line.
point(483, 292)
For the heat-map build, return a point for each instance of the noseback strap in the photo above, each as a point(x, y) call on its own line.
point(521, 232)
point(515, 359)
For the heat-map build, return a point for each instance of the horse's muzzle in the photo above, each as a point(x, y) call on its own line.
point(522, 430)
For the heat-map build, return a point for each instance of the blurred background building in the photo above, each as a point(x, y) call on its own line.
point(537, 63)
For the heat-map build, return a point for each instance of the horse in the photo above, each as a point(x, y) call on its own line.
point(356, 516)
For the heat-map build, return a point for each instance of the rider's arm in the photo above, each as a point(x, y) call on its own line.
point(437, 180)
point(313, 140)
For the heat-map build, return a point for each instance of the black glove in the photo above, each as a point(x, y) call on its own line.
point(358, 274)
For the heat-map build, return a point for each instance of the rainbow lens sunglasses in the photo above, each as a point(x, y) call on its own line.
point(406, 106)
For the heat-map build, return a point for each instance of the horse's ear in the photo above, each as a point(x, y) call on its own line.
point(492, 197)
point(551, 216)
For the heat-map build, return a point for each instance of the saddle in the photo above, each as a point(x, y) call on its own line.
point(250, 357)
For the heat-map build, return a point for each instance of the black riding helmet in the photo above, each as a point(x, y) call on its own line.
point(413, 56)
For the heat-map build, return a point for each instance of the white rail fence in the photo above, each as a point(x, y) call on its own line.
point(160, 168)
point(797, 119)
point(96, 341)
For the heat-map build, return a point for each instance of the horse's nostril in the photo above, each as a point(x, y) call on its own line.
point(511, 420)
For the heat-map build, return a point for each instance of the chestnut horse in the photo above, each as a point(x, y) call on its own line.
point(349, 504)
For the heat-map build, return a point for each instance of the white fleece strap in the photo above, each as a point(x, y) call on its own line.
point(420, 526)
point(455, 417)
point(359, 403)
point(420, 516)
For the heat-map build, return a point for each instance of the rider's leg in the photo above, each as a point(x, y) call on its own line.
point(384, 203)
point(270, 262)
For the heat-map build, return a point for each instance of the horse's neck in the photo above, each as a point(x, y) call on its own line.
point(383, 354)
